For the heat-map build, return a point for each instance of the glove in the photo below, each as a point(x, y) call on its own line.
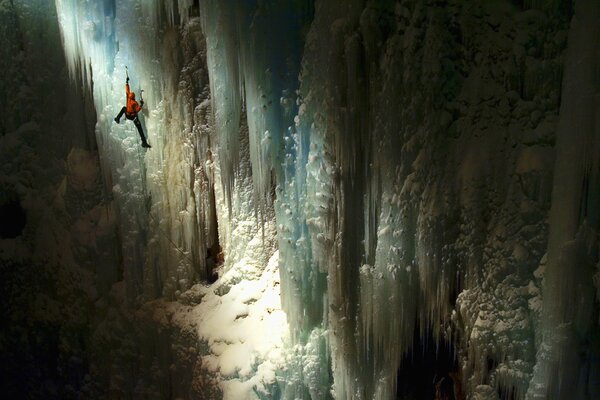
point(142, 103)
point(127, 81)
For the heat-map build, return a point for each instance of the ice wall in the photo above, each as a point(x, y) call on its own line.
point(430, 131)
point(389, 171)
point(402, 154)
point(254, 52)
point(165, 197)
point(178, 213)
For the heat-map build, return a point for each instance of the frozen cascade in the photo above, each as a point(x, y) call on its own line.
point(254, 51)
point(437, 224)
point(175, 217)
point(400, 156)
point(165, 197)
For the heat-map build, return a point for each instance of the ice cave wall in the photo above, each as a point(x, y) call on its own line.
point(417, 164)
point(168, 198)
point(416, 188)
point(176, 214)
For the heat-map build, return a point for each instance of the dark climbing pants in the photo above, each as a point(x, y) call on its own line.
point(135, 120)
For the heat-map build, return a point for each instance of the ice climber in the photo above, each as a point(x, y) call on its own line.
point(131, 112)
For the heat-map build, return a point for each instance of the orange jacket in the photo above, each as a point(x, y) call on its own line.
point(133, 106)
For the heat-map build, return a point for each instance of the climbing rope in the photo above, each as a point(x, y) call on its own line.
point(156, 223)
point(142, 167)
point(183, 253)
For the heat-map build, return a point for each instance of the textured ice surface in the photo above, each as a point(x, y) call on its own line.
point(431, 136)
point(173, 200)
point(165, 199)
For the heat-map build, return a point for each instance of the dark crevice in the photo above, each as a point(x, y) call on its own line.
point(214, 259)
point(12, 219)
point(214, 252)
point(505, 393)
point(429, 371)
point(492, 363)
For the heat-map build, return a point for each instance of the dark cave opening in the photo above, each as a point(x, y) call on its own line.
point(12, 219)
point(214, 259)
point(429, 371)
point(214, 252)
point(507, 393)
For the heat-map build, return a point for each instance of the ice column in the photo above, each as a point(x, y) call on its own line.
point(254, 51)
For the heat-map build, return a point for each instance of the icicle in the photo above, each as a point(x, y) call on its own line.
point(218, 22)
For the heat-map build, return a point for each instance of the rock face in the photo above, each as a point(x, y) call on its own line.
point(350, 200)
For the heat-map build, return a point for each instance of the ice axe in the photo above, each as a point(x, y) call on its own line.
point(127, 73)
